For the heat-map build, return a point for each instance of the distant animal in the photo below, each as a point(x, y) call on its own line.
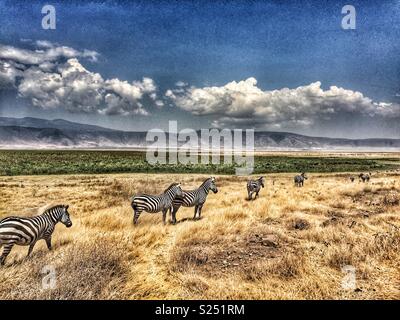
point(352, 179)
point(254, 186)
point(26, 231)
point(299, 179)
point(155, 203)
point(194, 198)
point(364, 177)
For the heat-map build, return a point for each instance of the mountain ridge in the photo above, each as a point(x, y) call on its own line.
point(39, 133)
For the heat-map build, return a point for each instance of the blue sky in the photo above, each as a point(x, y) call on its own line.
point(210, 44)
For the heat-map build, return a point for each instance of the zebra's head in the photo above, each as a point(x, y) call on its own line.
point(176, 190)
point(65, 219)
point(303, 174)
point(213, 185)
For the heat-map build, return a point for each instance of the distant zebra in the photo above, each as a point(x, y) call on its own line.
point(254, 186)
point(299, 180)
point(364, 177)
point(155, 203)
point(27, 231)
point(194, 198)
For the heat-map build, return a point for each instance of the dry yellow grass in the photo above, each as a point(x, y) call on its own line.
point(290, 243)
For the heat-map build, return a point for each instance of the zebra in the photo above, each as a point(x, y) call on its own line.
point(299, 179)
point(27, 231)
point(194, 198)
point(364, 177)
point(254, 186)
point(155, 203)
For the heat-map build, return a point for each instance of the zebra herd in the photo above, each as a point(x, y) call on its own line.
point(28, 230)
point(172, 199)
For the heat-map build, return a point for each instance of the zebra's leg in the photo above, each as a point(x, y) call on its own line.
point(48, 242)
point(196, 207)
point(173, 215)
point(32, 245)
point(136, 216)
point(164, 216)
point(199, 214)
point(6, 251)
point(257, 193)
point(169, 212)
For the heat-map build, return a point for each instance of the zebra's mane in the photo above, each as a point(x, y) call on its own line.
point(49, 207)
point(172, 185)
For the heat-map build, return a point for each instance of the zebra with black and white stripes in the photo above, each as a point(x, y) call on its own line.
point(26, 231)
point(155, 203)
point(254, 186)
point(299, 179)
point(364, 177)
point(194, 198)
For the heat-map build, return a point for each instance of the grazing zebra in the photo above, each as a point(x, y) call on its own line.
point(155, 203)
point(364, 177)
point(27, 231)
point(299, 179)
point(194, 198)
point(254, 186)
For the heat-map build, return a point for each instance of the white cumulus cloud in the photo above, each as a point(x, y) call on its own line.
point(52, 76)
point(244, 103)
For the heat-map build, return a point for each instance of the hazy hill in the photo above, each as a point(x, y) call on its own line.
point(59, 133)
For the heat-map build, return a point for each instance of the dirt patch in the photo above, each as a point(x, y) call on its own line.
point(391, 199)
point(285, 266)
point(226, 255)
point(339, 220)
point(379, 197)
point(300, 224)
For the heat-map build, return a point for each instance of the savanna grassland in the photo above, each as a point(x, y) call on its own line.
point(290, 243)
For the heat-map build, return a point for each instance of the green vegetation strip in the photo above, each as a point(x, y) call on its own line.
point(26, 162)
